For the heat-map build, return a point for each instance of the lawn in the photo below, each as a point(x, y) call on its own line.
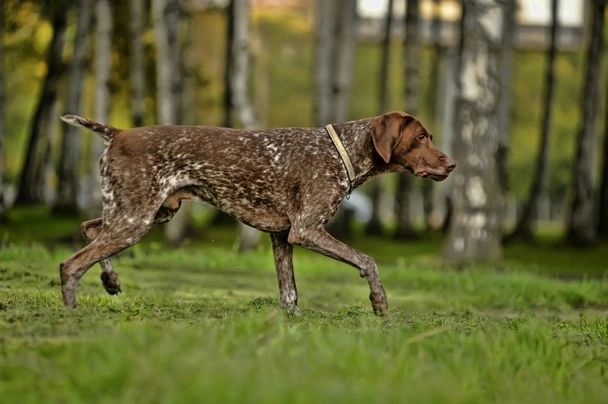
point(201, 324)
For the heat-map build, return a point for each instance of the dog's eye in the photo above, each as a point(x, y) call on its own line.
point(421, 137)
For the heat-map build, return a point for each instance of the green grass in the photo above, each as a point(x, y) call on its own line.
point(202, 324)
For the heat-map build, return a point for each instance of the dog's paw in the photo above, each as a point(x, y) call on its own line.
point(111, 282)
point(379, 303)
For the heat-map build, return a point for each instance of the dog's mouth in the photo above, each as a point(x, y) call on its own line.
point(434, 176)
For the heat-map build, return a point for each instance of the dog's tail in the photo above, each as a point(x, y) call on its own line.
point(105, 131)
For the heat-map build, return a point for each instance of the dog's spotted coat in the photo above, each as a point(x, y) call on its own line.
point(287, 181)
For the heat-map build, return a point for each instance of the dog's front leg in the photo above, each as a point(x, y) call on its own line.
point(318, 240)
point(283, 261)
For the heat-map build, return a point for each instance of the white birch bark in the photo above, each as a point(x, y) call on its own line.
point(103, 59)
point(69, 162)
point(475, 230)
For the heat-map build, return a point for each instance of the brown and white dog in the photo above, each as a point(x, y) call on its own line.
point(285, 181)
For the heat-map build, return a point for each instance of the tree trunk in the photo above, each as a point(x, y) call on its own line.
point(374, 227)
point(168, 81)
point(103, 59)
point(344, 48)
point(228, 69)
point(603, 208)
point(50, 171)
point(335, 42)
point(475, 231)
point(452, 72)
point(31, 184)
point(523, 229)
point(69, 163)
point(412, 52)
point(249, 238)
point(334, 60)
point(324, 107)
point(220, 217)
point(504, 103)
point(435, 67)
point(2, 116)
point(434, 103)
point(582, 226)
point(241, 56)
point(137, 18)
point(166, 18)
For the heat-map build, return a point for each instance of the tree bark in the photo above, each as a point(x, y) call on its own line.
point(249, 238)
point(582, 225)
point(334, 60)
point(137, 18)
point(603, 208)
point(523, 229)
point(103, 59)
point(2, 117)
point(344, 49)
point(168, 81)
point(69, 163)
point(412, 52)
point(241, 56)
point(31, 184)
point(475, 231)
point(325, 16)
point(505, 101)
point(165, 19)
point(374, 227)
point(228, 69)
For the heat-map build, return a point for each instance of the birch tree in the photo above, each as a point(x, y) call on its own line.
point(2, 116)
point(165, 15)
point(227, 100)
point(325, 17)
point(603, 208)
point(165, 19)
point(412, 52)
point(335, 27)
point(137, 18)
point(344, 49)
point(582, 226)
point(69, 162)
point(31, 183)
point(374, 227)
point(103, 59)
point(523, 229)
point(505, 100)
point(475, 230)
point(335, 44)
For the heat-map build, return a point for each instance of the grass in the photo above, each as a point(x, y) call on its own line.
point(202, 324)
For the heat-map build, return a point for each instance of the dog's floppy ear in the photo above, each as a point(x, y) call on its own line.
point(387, 130)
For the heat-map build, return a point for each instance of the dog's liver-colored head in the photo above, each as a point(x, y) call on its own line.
point(406, 145)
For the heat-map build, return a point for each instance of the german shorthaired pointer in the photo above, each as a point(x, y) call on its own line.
point(286, 181)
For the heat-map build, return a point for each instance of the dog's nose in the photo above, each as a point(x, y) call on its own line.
point(451, 166)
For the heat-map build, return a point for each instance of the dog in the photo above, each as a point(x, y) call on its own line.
point(287, 182)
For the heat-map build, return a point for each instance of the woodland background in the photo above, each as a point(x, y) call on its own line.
point(299, 63)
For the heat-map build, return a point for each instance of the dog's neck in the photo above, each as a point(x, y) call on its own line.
point(356, 136)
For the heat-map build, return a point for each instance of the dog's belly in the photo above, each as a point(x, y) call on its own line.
point(254, 211)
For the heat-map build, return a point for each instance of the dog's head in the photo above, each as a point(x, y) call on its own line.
point(404, 144)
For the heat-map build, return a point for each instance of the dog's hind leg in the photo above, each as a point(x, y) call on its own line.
point(283, 261)
point(114, 236)
point(90, 230)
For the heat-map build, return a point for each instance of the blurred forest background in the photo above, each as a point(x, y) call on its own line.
point(519, 99)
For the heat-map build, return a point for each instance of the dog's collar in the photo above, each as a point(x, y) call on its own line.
point(350, 169)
